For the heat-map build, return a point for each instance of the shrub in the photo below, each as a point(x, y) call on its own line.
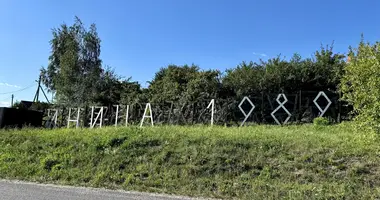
point(361, 84)
point(321, 121)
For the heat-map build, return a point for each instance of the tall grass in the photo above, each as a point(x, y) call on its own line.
point(257, 162)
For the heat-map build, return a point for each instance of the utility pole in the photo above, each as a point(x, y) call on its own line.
point(38, 90)
point(12, 100)
point(39, 87)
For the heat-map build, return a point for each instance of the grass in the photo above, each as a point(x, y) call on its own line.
point(257, 162)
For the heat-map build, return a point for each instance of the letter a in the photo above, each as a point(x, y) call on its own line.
point(147, 116)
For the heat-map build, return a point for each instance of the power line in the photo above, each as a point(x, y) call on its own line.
point(6, 99)
point(18, 90)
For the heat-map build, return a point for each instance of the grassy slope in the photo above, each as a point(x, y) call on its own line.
point(258, 162)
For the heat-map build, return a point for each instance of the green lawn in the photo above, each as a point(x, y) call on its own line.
point(256, 162)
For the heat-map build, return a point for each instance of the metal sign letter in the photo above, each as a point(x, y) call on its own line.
point(281, 105)
point(147, 116)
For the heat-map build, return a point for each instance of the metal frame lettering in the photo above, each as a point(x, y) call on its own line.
point(212, 105)
point(281, 105)
point(323, 111)
point(148, 106)
point(250, 111)
point(73, 120)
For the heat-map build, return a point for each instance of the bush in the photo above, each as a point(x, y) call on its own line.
point(361, 86)
point(321, 121)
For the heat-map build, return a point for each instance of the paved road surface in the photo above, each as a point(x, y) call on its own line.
point(17, 190)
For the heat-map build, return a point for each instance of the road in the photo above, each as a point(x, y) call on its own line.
point(17, 190)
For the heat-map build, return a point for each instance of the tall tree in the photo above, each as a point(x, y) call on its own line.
point(74, 68)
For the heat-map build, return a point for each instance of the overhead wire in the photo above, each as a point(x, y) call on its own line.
point(6, 99)
point(5, 102)
point(12, 92)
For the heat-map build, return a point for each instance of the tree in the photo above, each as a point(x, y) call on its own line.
point(132, 93)
point(244, 80)
point(109, 88)
point(74, 64)
point(327, 71)
point(170, 83)
point(205, 85)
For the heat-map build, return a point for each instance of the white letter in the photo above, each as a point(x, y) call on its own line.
point(117, 115)
point(127, 116)
point(100, 114)
point(149, 116)
point(52, 121)
point(73, 120)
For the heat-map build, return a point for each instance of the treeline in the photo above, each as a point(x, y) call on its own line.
point(78, 78)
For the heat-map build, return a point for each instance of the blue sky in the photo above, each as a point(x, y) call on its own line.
point(141, 36)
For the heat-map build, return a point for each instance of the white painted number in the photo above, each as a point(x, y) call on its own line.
point(281, 105)
point(212, 105)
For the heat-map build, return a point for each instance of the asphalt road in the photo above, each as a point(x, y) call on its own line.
point(17, 190)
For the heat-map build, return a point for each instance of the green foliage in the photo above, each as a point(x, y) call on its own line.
point(323, 72)
point(112, 89)
point(49, 162)
point(246, 78)
point(184, 84)
point(74, 65)
point(76, 75)
point(361, 84)
point(131, 93)
point(321, 121)
point(75, 71)
point(19, 105)
point(259, 162)
point(38, 106)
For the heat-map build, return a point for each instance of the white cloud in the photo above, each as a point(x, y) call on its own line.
point(4, 104)
point(260, 54)
point(9, 85)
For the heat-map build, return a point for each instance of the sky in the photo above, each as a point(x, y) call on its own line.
point(141, 36)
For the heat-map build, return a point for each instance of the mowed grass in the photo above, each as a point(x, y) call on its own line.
point(256, 162)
